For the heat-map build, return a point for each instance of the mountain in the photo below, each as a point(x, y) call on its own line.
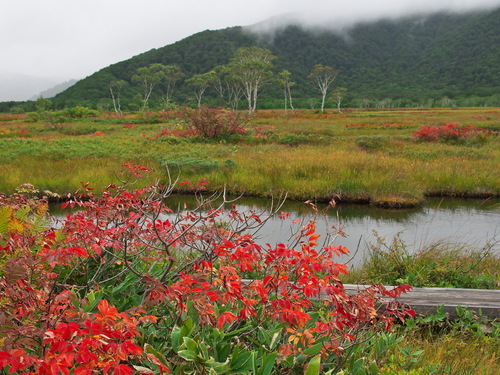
point(53, 91)
point(413, 60)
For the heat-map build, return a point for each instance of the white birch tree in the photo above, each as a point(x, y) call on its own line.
point(252, 68)
point(323, 77)
point(115, 88)
point(148, 77)
point(200, 82)
point(286, 84)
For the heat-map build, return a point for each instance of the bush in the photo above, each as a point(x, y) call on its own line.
point(148, 117)
point(78, 112)
point(453, 133)
point(78, 130)
point(211, 122)
point(125, 285)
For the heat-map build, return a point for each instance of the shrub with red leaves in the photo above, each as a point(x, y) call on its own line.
point(452, 133)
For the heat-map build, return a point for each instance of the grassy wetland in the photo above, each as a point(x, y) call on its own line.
point(368, 156)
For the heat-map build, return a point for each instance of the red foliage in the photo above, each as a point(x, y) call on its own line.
point(451, 132)
point(212, 122)
point(207, 269)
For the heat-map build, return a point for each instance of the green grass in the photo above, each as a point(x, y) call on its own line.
point(440, 264)
point(361, 155)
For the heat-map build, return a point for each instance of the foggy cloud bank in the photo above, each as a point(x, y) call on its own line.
point(342, 14)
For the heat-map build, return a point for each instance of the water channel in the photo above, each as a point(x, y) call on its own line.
point(469, 222)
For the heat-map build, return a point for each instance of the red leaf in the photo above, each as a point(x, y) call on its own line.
point(226, 317)
point(122, 370)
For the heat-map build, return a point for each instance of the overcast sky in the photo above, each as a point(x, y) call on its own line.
point(66, 39)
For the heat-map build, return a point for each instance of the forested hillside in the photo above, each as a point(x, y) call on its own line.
point(433, 60)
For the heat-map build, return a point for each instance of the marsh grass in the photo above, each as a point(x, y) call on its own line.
point(62, 176)
point(468, 344)
point(440, 264)
point(451, 353)
point(362, 155)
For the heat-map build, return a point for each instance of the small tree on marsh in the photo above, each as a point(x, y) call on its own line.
point(200, 82)
point(323, 77)
point(116, 88)
point(286, 84)
point(338, 95)
point(252, 68)
point(228, 87)
point(148, 77)
point(171, 74)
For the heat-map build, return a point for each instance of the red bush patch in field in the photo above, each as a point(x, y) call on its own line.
point(452, 133)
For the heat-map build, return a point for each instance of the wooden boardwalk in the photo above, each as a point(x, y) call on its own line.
point(426, 300)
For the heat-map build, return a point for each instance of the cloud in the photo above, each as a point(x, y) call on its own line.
point(74, 38)
point(341, 14)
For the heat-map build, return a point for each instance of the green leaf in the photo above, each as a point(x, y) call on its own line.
point(268, 364)
point(240, 362)
point(218, 367)
point(188, 355)
point(187, 327)
point(93, 299)
point(275, 340)
point(190, 344)
point(178, 334)
point(374, 369)
point(313, 350)
point(357, 367)
point(22, 213)
point(203, 350)
point(175, 336)
point(222, 351)
point(314, 366)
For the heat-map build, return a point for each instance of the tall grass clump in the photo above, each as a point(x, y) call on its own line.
point(437, 344)
point(439, 264)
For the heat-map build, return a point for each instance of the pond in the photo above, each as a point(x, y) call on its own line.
point(470, 222)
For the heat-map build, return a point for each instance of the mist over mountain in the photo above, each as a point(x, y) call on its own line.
point(53, 91)
point(20, 87)
point(415, 59)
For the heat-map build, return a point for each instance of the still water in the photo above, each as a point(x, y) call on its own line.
point(468, 222)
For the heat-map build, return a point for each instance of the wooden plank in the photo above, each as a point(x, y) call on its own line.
point(426, 300)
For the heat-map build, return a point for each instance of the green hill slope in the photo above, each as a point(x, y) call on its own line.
point(415, 60)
